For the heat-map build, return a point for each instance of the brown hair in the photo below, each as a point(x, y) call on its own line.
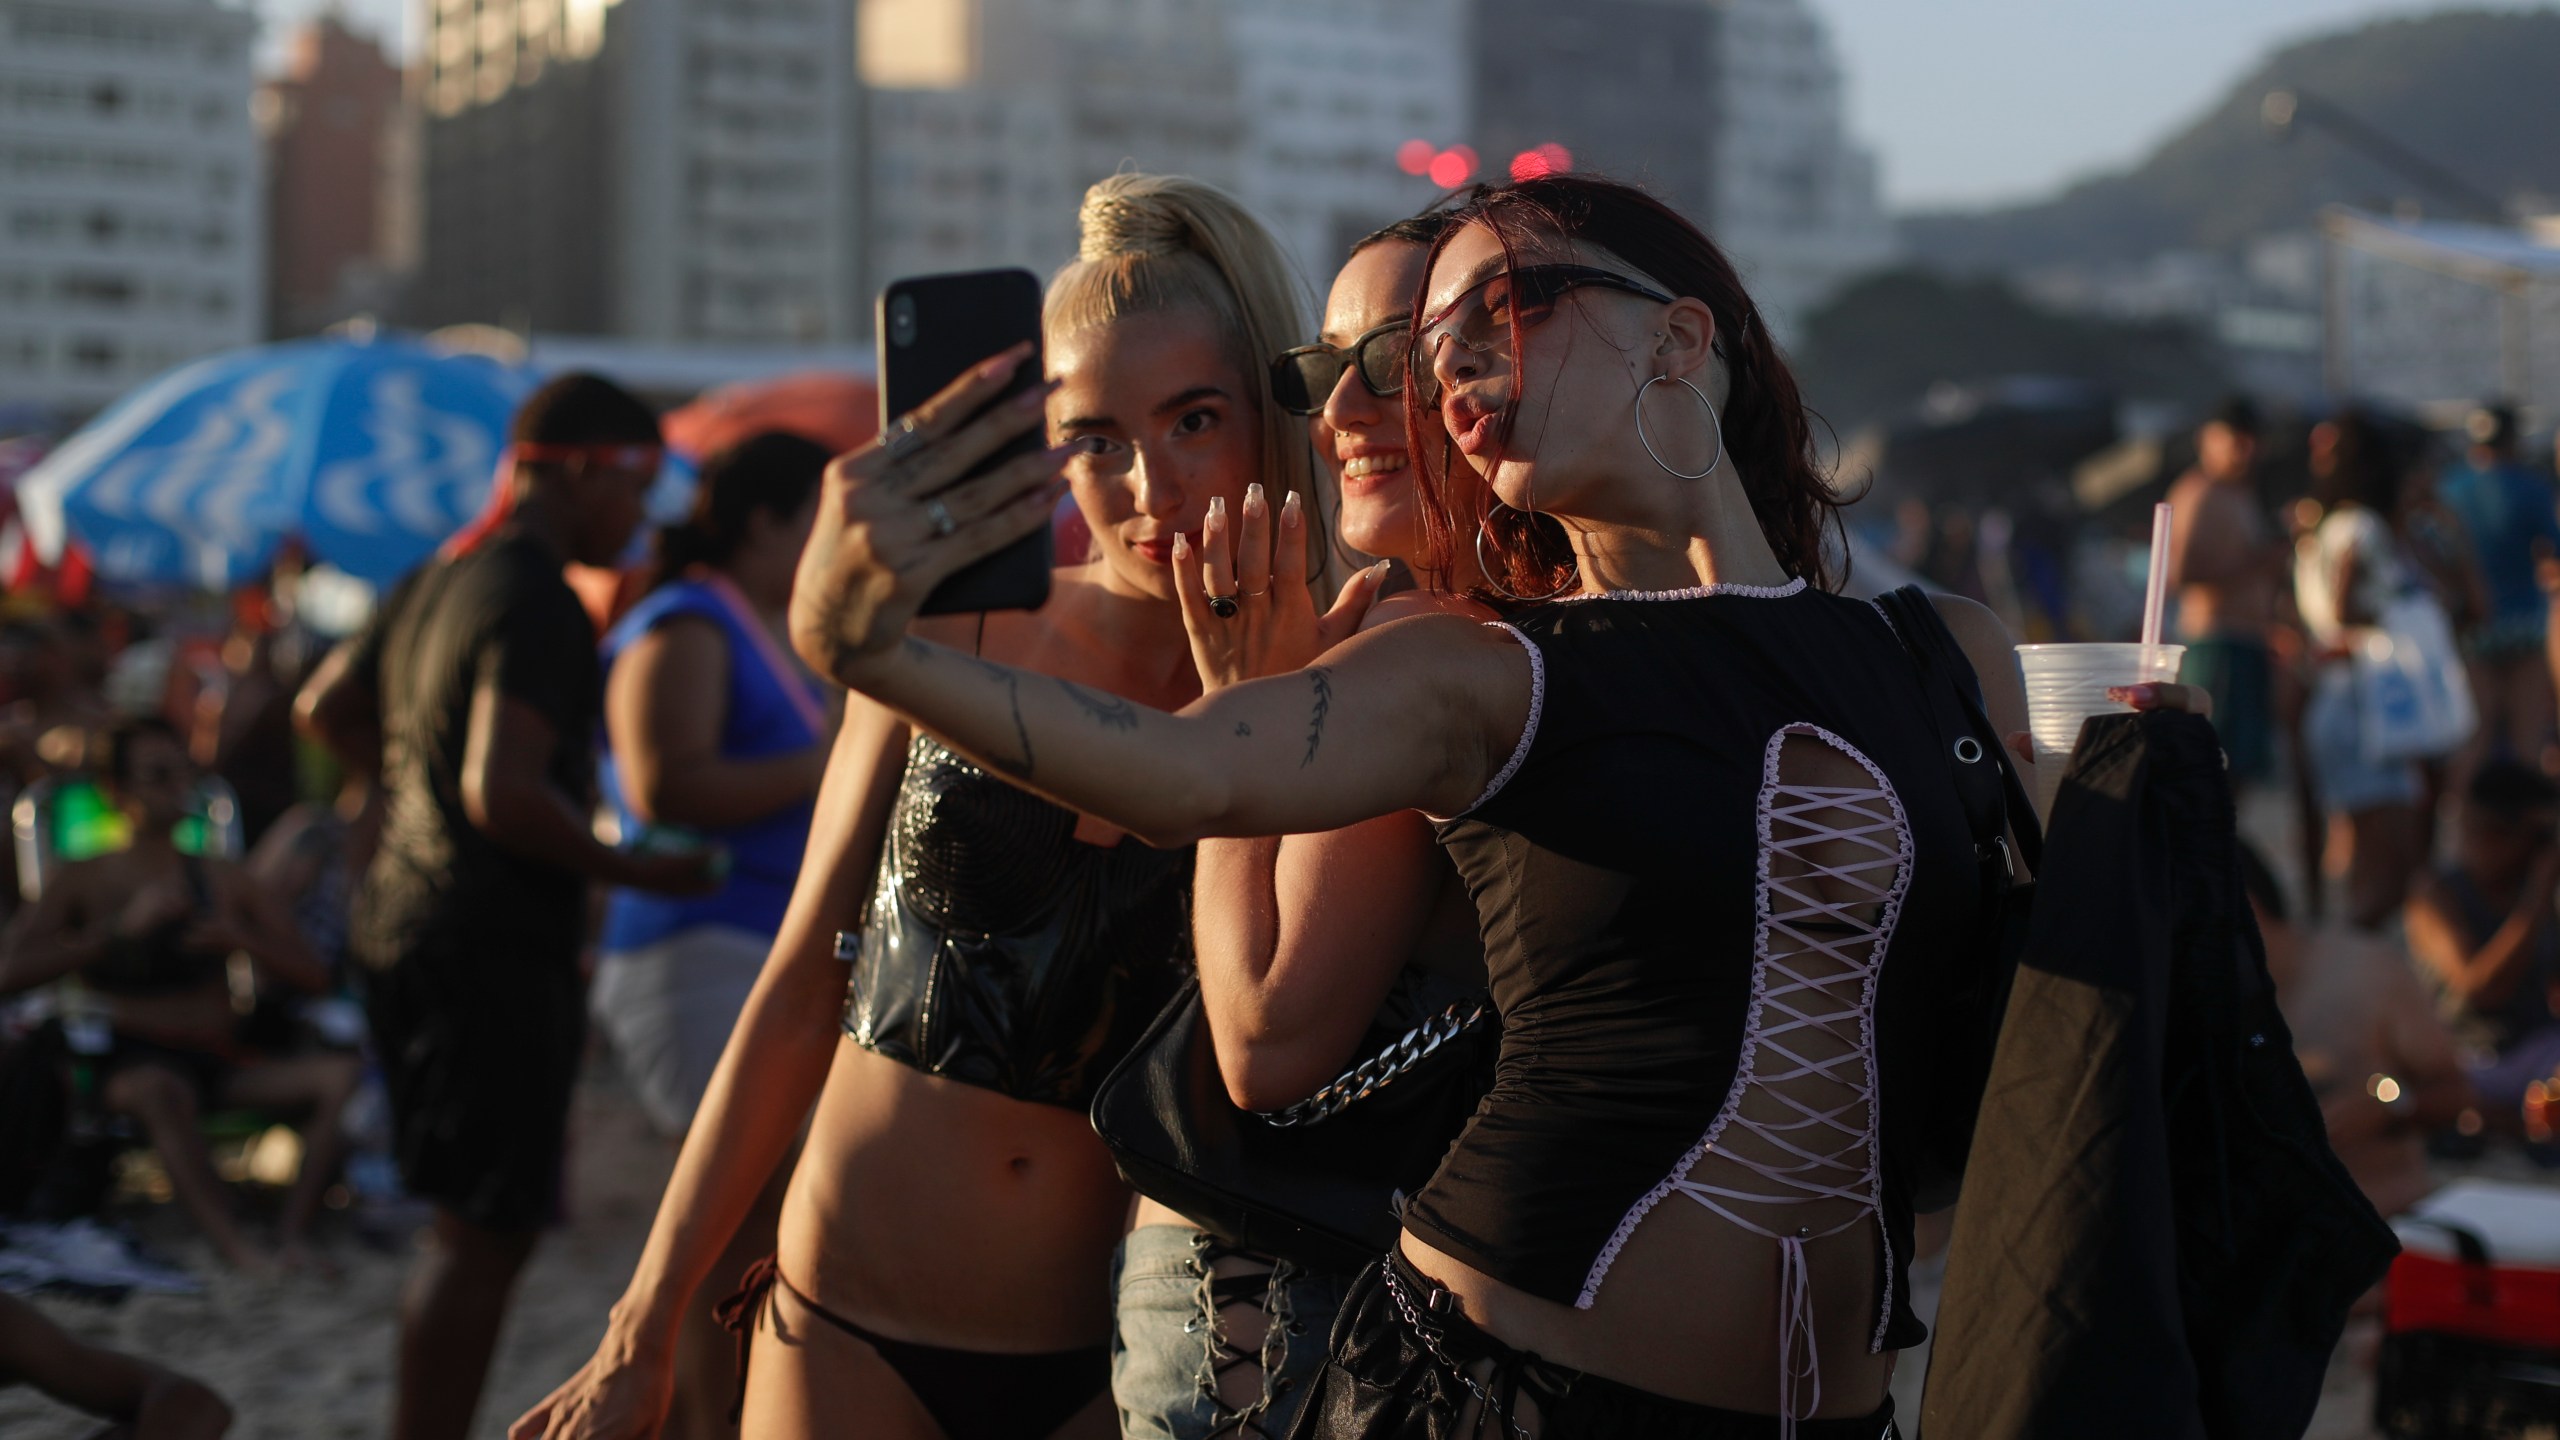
point(1767, 433)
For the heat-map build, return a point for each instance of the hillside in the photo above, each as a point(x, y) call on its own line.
point(2478, 92)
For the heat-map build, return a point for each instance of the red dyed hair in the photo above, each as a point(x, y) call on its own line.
point(1768, 437)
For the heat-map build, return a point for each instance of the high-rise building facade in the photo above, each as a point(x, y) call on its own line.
point(1331, 91)
point(1794, 196)
point(329, 124)
point(1629, 88)
point(989, 116)
point(660, 169)
point(130, 225)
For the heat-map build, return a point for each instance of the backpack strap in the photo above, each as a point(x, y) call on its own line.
point(1995, 801)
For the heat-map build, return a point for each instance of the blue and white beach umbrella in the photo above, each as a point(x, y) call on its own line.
point(373, 451)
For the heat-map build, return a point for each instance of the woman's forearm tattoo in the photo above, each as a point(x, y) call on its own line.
point(1109, 711)
point(1322, 681)
point(1011, 680)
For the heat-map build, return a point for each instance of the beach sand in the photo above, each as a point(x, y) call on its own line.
point(308, 1359)
point(311, 1359)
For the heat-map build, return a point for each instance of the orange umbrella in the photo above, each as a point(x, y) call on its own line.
point(836, 410)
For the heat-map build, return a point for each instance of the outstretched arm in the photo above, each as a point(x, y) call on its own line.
point(1415, 715)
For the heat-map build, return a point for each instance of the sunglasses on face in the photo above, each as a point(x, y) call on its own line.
point(1301, 379)
point(1484, 316)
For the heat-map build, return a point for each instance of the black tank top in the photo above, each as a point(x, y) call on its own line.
point(1000, 950)
point(1657, 958)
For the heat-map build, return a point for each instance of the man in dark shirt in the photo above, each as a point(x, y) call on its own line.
point(477, 692)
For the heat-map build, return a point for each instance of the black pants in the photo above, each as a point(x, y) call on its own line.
point(1395, 1374)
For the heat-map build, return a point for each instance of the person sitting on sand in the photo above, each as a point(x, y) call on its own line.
point(152, 930)
point(147, 1401)
point(2384, 1067)
point(2485, 929)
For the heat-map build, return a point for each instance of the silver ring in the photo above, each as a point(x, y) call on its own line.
point(906, 433)
point(1254, 594)
point(940, 515)
point(1223, 606)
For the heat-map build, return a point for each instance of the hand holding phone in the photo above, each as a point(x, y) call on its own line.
point(901, 516)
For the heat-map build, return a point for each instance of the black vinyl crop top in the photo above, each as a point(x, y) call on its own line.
point(1000, 950)
point(1728, 817)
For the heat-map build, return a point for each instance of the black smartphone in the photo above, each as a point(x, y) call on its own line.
point(931, 329)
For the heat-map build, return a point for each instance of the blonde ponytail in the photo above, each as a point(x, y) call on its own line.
point(1153, 243)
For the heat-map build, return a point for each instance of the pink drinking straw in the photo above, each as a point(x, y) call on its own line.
point(2155, 594)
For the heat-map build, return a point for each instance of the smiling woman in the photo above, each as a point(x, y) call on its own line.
point(1710, 835)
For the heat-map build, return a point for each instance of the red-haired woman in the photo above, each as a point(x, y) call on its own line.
point(1696, 799)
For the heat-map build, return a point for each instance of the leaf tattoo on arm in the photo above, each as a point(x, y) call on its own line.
point(1109, 711)
point(1322, 681)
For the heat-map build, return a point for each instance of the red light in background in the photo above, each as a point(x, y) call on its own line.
point(1414, 157)
point(1452, 168)
point(1547, 159)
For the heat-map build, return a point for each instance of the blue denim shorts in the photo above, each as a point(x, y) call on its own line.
point(1185, 1364)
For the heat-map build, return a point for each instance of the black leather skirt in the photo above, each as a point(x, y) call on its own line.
point(1407, 1366)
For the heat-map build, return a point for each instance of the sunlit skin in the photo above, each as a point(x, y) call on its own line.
point(1164, 427)
point(1361, 434)
point(1585, 365)
point(1419, 714)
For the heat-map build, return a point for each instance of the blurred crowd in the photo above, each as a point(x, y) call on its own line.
point(2370, 603)
point(183, 998)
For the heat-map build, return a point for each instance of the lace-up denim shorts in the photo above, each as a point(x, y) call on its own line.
point(1212, 1342)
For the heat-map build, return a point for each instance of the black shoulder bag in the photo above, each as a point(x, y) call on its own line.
point(1963, 1003)
point(1316, 1183)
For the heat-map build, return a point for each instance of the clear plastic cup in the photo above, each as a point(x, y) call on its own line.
point(2066, 684)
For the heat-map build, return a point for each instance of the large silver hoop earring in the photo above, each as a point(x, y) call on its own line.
point(1496, 586)
point(1715, 423)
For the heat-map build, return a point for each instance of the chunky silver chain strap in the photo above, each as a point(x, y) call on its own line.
point(1373, 1074)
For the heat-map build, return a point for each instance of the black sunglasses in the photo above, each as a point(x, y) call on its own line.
point(1301, 379)
point(1482, 318)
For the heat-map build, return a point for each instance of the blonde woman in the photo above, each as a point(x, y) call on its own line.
point(945, 1246)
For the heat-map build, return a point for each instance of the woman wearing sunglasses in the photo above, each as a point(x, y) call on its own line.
point(1697, 800)
point(1298, 940)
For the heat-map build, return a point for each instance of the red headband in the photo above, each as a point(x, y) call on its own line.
point(502, 494)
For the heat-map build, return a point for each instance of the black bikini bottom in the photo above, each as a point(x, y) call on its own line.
point(971, 1394)
point(1405, 1366)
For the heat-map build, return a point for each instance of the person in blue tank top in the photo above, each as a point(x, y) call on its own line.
point(715, 735)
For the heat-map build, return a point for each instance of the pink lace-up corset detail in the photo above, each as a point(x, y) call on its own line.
point(1793, 1152)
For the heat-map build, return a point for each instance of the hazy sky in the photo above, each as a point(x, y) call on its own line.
point(1981, 100)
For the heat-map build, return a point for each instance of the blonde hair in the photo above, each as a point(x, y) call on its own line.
point(1156, 243)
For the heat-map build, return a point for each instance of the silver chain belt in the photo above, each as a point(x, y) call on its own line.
point(1375, 1073)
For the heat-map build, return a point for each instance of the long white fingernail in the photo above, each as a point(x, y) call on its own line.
point(1217, 507)
point(1289, 510)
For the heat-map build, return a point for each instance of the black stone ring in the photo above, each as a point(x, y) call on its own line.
point(1223, 606)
